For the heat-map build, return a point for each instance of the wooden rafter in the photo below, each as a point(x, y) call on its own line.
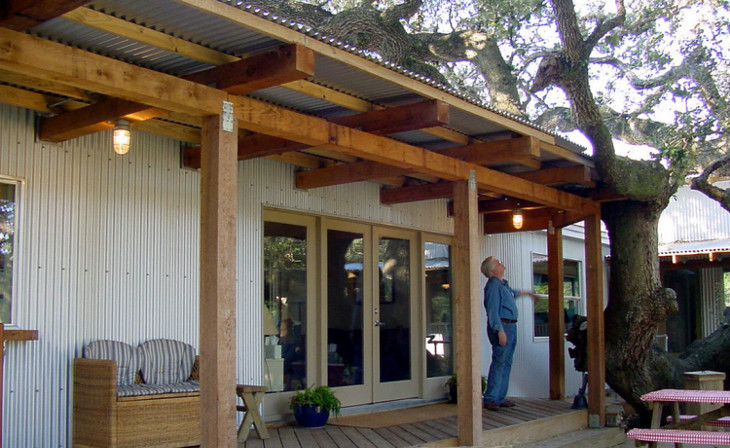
point(399, 119)
point(497, 151)
point(577, 174)
point(22, 15)
point(94, 118)
point(29, 55)
point(342, 174)
point(249, 147)
point(477, 153)
point(537, 219)
point(440, 190)
point(196, 52)
point(273, 68)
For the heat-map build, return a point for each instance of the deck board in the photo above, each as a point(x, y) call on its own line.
point(406, 435)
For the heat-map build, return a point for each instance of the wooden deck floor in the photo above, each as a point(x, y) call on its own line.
point(429, 431)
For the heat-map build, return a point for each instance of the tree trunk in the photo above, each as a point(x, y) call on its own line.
point(637, 304)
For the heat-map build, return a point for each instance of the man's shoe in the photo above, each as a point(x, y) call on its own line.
point(491, 406)
point(507, 404)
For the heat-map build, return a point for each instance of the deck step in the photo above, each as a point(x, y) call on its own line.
point(584, 438)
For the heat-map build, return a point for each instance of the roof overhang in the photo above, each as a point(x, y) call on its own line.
point(339, 114)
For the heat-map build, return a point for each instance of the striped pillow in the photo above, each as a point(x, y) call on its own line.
point(128, 358)
point(166, 361)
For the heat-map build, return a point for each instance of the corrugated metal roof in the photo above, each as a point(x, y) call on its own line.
point(691, 217)
point(694, 247)
point(184, 22)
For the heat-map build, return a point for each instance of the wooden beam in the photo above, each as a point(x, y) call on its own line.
point(120, 27)
point(577, 174)
point(556, 312)
point(534, 219)
point(269, 69)
point(282, 33)
point(344, 174)
point(32, 56)
point(506, 205)
point(29, 55)
point(468, 313)
point(249, 147)
point(440, 190)
point(94, 118)
point(259, 116)
point(595, 333)
point(497, 151)
point(399, 119)
point(22, 15)
point(218, 192)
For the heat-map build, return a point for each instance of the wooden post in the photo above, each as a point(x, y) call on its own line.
point(218, 206)
point(556, 312)
point(596, 341)
point(468, 313)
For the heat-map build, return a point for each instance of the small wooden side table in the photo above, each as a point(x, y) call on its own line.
point(251, 396)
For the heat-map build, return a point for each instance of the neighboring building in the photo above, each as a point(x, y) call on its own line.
point(338, 281)
point(694, 253)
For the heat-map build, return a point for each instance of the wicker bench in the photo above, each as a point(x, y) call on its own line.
point(114, 407)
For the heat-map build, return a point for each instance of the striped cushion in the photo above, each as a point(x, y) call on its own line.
point(166, 361)
point(185, 386)
point(128, 358)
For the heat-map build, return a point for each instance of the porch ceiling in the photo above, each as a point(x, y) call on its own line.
point(340, 114)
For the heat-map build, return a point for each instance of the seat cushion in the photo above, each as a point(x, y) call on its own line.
point(165, 361)
point(128, 358)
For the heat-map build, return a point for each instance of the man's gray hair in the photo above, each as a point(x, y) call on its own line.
point(488, 266)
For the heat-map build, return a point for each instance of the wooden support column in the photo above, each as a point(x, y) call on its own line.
point(596, 341)
point(218, 206)
point(468, 312)
point(556, 312)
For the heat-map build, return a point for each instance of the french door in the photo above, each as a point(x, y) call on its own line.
point(369, 288)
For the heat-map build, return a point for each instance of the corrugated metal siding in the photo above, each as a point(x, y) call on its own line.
point(108, 248)
point(712, 300)
point(692, 216)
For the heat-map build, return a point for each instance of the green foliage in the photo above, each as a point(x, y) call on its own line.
point(452, 381)
point(321, 396)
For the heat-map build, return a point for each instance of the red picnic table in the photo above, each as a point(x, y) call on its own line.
point(685, 428)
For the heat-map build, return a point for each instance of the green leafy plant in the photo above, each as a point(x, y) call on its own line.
point(453, 382)
point(321, 396)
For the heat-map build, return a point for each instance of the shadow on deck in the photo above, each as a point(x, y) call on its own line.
point(533, 419)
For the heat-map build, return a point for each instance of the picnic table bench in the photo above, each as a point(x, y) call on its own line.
point(685, 428)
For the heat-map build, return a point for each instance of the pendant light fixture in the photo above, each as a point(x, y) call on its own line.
point(517, 218)
point(121, 137)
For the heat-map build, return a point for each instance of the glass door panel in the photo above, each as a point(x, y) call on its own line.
point(345, 319)
point(394, 310)
point(394, 315)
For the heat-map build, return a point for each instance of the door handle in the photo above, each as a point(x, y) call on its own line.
point(379, 324)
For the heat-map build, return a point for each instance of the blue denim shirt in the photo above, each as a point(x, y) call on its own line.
point(499, 301)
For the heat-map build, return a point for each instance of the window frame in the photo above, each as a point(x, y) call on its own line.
point(19, 185)
point(579, 299)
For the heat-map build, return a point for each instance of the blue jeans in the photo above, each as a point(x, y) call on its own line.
point(498, 379)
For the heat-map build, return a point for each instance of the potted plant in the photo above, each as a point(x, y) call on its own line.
point(312, 406)
point(451, 383)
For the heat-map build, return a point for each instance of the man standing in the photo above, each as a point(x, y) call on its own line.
point(499, 301)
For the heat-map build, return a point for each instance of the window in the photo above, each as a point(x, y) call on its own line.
point(439, 307)
point(285, 305)
point(8, 226)
point(571, 292)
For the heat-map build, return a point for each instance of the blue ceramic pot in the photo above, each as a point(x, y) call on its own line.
point(310, 416)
